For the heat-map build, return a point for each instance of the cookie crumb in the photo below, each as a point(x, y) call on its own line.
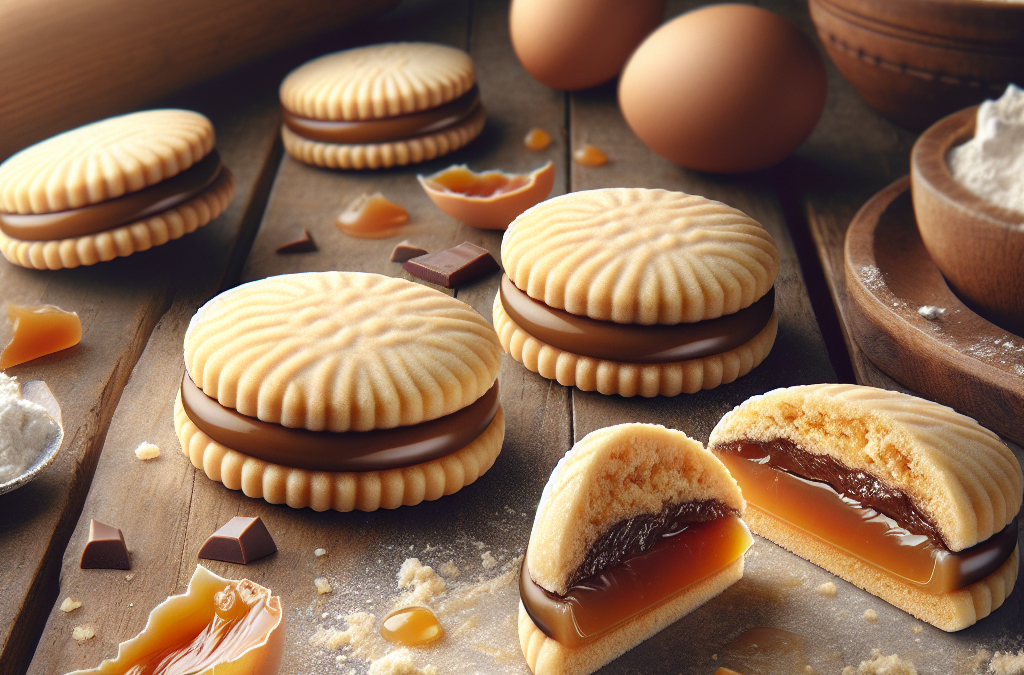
point(320, 552)
point(69, 605)
point(423, 582)
point(322, 585)
point(849, 670)
point(488, 560)
point(827, 589)
point(147, 450)
point(129, 577)
point(1005, 663)
point(870, 615)
point(883, 665)
point(917, 630)
point(809, 670)
point(931, 312)
point(399, 662)
point(449, 569)
point(83, 633)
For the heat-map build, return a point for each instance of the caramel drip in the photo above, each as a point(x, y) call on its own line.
point(411, 627)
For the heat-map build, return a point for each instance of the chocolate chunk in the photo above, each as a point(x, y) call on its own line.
point(302, 244)
point(406, 251)
point(241, 540)
point(454, 266)
point(105, 549)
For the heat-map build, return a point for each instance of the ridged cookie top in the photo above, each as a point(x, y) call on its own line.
point(341, 351)
point(103, 160)
point(633, 255)
point(613, 474)
point(955, 471)
point(379, 81)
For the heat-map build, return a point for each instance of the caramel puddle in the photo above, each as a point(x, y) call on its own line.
point(372, 217)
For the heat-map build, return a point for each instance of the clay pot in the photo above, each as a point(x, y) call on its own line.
point(916, 61)
point(978, 246)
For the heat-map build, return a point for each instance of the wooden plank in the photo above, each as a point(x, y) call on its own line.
point(124, 492)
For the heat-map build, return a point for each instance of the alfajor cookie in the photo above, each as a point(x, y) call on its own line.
point(637, 526)
point(632, 291)
point(340, 390)
point(906, 498)
point(111, 188)
point(381, 106)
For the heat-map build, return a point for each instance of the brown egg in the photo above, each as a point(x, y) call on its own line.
point(575, 44)
point(725, 88)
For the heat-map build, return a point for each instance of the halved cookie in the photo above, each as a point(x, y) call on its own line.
point(637, 526)
point(906, 498)
point(381, 106)
point(632, 291)
point(340, 390)
point(111, 188)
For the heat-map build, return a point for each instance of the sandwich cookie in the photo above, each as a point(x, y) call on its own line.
point(905, 498)
point(340, 390)
point(111, 188)
point(637, 526)
point(637, 292)
point(381, 106)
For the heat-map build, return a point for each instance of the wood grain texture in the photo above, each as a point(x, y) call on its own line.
point(67, 63)
point(123, 493)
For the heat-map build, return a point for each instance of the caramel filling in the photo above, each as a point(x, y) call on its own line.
point(634, 343)
point(235, 627)
point(39, 331)
point(388, 129)
point(860, 516)
point(411, 627)
point(338, 451)
point(461, 181)
point(112, 213)
point(676, 553)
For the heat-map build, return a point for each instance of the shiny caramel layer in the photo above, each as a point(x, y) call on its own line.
point(112, 213)
point(387, 129)
point(634, 343)
point(331, 451)
point(599, 603)
point(859, 515)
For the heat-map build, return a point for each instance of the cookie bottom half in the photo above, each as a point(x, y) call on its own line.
point(546, 656)
point(340, 490)
point(124, 240)
point(949, 612)
point(631, 379)
point(384, 155)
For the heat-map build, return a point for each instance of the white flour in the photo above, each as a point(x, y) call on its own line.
point(25, 429)
point(991, 165)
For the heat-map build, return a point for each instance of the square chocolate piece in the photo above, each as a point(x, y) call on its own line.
point(454, 266)
point(241, 540)
point(105, 549)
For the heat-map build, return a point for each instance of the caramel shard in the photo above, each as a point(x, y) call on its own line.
point(105, 549)
point(241, 540)
point(147, 450)
point(302, 244)
point(589, 155)
point(39, 331)
point(537, 139)
point(454, 266)
point(405, 250)
point(372, 217)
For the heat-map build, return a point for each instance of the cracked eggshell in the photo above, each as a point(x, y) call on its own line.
point(180, 618)
point(473, 198)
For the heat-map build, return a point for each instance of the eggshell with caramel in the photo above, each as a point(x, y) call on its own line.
point(575, 44)
point(489, 200)
point(724, 89)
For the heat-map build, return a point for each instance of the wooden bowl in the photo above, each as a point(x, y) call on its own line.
point(916, 61)
point(978, 246)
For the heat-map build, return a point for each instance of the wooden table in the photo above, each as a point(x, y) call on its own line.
point(118, 385)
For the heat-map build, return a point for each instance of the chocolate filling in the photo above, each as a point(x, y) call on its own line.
point(634, 343)
point(374, 450)
point(113, 213)
point(387, 129)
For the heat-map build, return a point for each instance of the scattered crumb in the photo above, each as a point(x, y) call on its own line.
point(324, 615)
point(488, 560)
point(918, 629)
point(827, 589)
point(449, 569)
point(979, 660)
point(129, 577)
point(147, 450)
point(883, 665)
point(931, 312)
point(69, 605)
point(399, 662)
point(714, 657)
point(1005, 663)
point(870, 615)
point(131, 604)
point(424, 583)
point(358, 636)
point(322, 585)
point(468, 625)
point(83, 633)
point(809, 670)
point(320, 552)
